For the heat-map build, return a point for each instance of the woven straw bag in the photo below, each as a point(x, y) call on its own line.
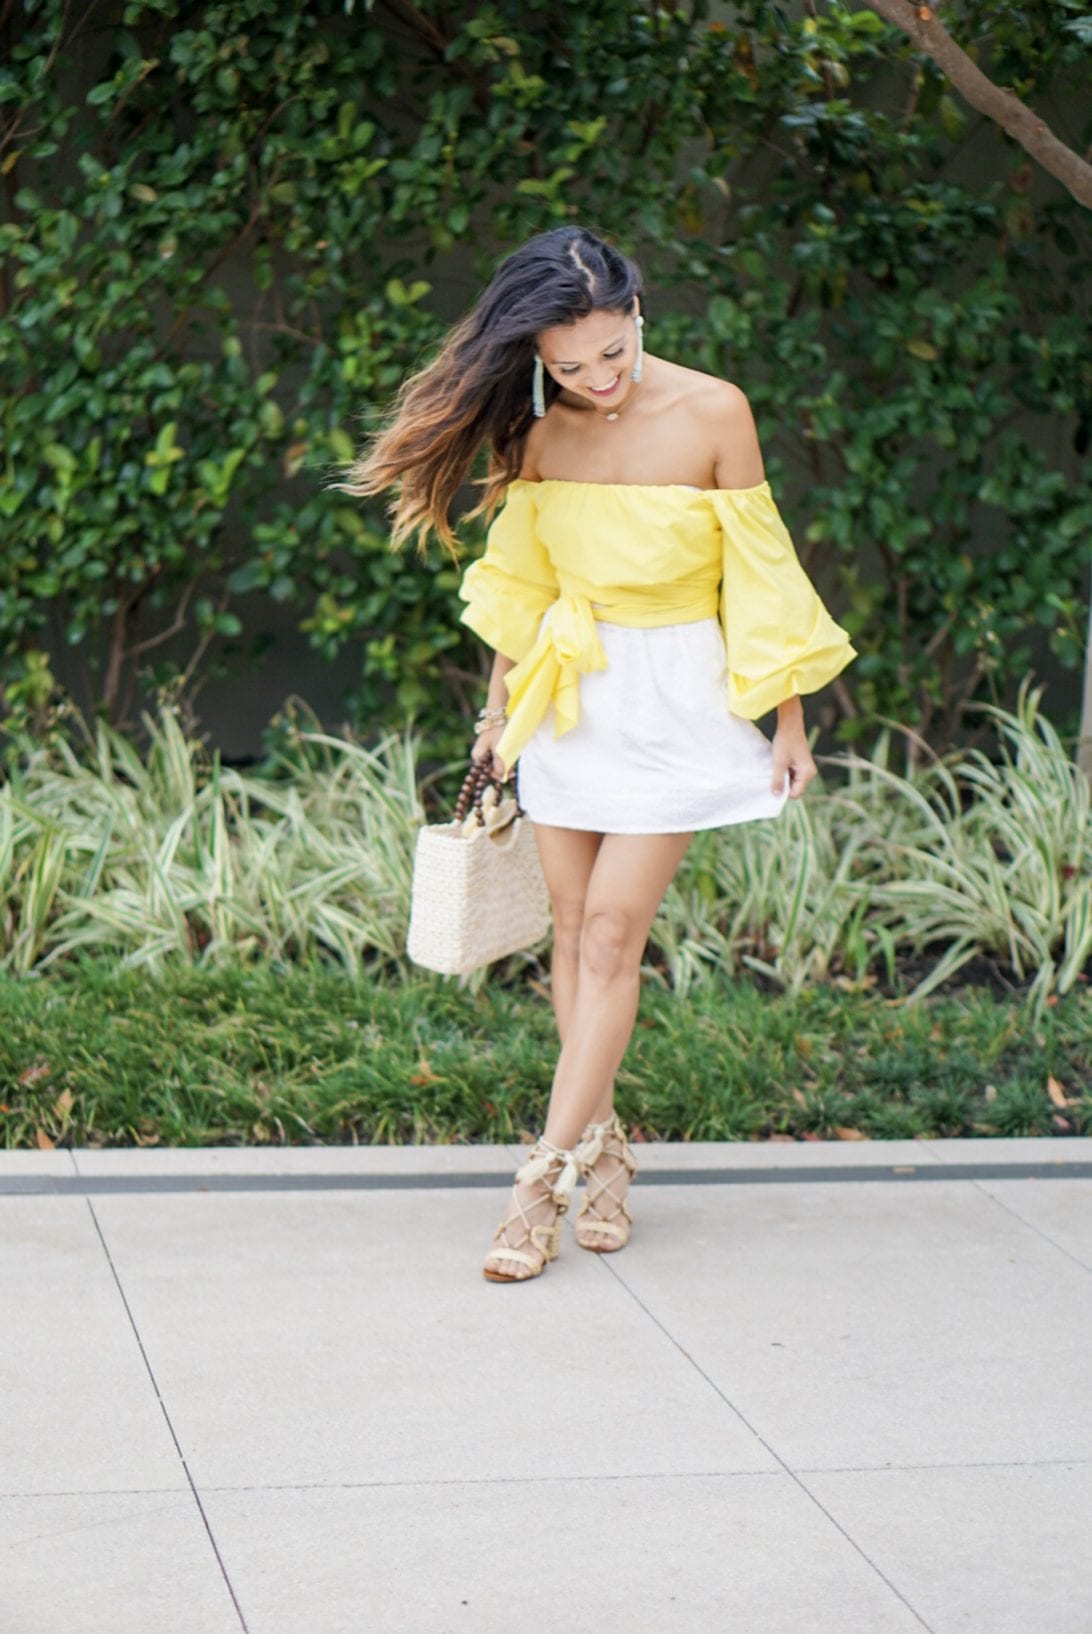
point(478, 889)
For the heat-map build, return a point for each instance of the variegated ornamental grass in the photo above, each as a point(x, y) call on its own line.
point(167, 855)
point(976, 855)
point(792, 899)
point(998, 859)
point(171, 856)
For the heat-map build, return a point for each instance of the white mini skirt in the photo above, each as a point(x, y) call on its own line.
point(656, 750)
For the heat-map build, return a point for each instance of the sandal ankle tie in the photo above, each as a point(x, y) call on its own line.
point(589, 1148)
point(543, 1158)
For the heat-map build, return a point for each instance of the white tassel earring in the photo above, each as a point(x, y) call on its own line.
point(538, 389)
point(640, 358)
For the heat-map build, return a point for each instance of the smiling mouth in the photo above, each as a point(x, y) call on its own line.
point(605, 391)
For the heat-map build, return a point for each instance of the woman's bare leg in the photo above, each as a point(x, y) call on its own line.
point(630, 874)
point(568, 857)
point(605, 891)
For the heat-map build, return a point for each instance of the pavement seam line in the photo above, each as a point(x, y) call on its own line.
point(1030, 1225)
point(652, 1475)
point(552, 1480)
point(167, 1420)
point(89, 1525)
point(105, 1492)
point(791, 1473)
point(969, 1463)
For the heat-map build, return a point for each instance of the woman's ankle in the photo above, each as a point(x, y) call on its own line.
point(562, 1131)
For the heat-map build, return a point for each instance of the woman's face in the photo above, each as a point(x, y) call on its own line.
point(593, 358)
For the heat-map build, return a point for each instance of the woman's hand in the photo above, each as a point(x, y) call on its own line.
point(791, 755)
point(484, 752)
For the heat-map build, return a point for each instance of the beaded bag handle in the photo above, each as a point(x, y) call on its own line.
point(477, 780)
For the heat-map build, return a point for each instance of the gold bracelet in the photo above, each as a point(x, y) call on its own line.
point(488, 718)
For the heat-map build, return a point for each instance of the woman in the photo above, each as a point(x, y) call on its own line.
point(637, 538)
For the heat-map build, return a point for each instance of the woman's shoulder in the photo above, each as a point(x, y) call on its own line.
point(701, 393)
point(725, 414)
point(717, 417)
point(530, 469)
point(706, 420)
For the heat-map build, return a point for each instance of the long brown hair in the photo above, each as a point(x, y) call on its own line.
point(478, 388)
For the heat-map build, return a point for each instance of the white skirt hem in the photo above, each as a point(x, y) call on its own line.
point(656, 750)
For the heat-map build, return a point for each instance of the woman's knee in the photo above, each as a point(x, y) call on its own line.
point(568, 916)
point(607, 944)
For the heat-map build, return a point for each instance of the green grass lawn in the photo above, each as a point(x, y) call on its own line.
point(92, 1056)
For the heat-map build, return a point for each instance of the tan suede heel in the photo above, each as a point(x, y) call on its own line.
point(603, 1222)
point(557, 1169)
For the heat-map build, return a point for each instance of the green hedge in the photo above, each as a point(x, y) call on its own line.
point(230, 230)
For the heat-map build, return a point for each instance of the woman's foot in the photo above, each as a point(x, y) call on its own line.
point(608, 1164)
point(530, 1235)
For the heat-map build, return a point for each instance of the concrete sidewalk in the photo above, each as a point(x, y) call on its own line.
point(828, 1389)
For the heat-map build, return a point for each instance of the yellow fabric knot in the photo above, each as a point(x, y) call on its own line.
point(663, 554)
point(568, 647)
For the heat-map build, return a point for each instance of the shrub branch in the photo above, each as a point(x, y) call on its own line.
point(997, 102)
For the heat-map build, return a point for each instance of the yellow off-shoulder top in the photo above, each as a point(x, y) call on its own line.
point(639, 554)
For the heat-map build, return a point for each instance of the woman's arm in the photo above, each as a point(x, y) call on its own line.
point(496, 698)
point(737, 458)
point(790, 750)
point(738, 464)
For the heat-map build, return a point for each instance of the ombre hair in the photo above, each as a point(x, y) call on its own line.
point(478, 388)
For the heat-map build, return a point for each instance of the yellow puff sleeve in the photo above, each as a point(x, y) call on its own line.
point(780, 639)
point(509, 588)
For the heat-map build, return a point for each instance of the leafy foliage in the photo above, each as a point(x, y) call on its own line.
point(227, 247)
point(173, 859)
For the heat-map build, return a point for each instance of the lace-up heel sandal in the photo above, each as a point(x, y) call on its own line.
point(530, 1236)
point(606, 1160)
